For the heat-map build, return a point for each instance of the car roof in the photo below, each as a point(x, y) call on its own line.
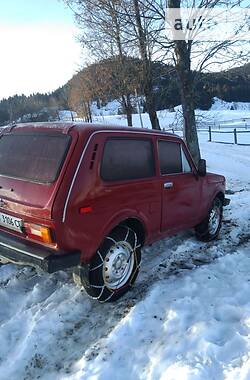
point(82, 128)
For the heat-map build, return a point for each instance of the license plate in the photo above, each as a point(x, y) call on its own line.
point(10, 222)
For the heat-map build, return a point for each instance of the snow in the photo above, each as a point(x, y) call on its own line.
point(219, 105)
point(187, 317)
point(195, 326)
point(166, 119)
point(65, 115)
point(226, 136)
point(111, 108)
point(219, 116)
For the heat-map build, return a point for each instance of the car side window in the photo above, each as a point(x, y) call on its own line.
point(127, 158)
point(186, 168)
point(172, 158)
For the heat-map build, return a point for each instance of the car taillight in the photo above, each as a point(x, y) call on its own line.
point(37, 232)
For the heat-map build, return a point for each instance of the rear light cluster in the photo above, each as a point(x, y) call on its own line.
point(37, 232)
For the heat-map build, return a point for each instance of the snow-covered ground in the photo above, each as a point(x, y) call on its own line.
point(113, 107)
point(187, 317)
point(223, 118)
point(222, 105)
point(65, 115)
point(194, 325)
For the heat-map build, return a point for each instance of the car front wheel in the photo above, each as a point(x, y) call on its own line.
point(209, 228)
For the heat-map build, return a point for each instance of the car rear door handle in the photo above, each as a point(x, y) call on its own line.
point(168, 185)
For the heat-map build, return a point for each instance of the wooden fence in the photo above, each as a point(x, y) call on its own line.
point(235, 132)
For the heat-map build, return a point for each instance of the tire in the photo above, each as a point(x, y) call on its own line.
point(210, 227)
point(114, 268)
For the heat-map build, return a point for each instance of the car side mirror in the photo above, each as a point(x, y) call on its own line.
point(202, 168)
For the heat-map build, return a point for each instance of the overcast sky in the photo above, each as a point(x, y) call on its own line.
point(38, 49)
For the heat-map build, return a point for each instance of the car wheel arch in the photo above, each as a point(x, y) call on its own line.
point(137, 226)
point(134, 223)
point(220, 195)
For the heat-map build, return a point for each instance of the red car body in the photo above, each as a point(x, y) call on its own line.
point(80, 208)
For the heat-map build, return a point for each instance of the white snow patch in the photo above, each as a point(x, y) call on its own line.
point(195, 326)
point(65, 115)
point(111, 108)
point(219, 116)
point(219, 104)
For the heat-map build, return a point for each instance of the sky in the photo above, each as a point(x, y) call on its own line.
point(38, 46)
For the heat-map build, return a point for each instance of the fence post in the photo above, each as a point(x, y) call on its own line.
point(210, 133)
point(235, 136)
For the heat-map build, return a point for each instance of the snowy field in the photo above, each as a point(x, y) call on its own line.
point(187, 317)
point(227, 136)
point(221, 118)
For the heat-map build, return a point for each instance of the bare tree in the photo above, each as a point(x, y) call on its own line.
point(182, 60)
point(145, 54)
point(190, 56)
point(80, 95)
point(118, 28)
point(102, 32)
point(100, 82)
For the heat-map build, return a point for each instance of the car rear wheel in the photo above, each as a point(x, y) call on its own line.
point(209, 228)
point(114, 267)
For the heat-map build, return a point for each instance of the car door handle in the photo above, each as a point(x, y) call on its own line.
point(168, 185)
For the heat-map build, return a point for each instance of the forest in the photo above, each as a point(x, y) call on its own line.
point(100, 82)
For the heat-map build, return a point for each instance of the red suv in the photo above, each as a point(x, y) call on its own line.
point(90, 196)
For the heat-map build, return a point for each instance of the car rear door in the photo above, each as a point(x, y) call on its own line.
point(180, 187)
point(32, 164)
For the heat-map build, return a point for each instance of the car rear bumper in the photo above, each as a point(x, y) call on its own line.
point(16, 251)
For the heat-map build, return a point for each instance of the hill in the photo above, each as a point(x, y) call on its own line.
point(101, 83)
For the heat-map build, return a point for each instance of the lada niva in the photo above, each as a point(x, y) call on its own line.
point(88, 197)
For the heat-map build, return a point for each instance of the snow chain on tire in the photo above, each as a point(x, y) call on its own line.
point(90, 276)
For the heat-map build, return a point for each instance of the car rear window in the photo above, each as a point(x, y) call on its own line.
point(126, 159)
point(34, 157)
